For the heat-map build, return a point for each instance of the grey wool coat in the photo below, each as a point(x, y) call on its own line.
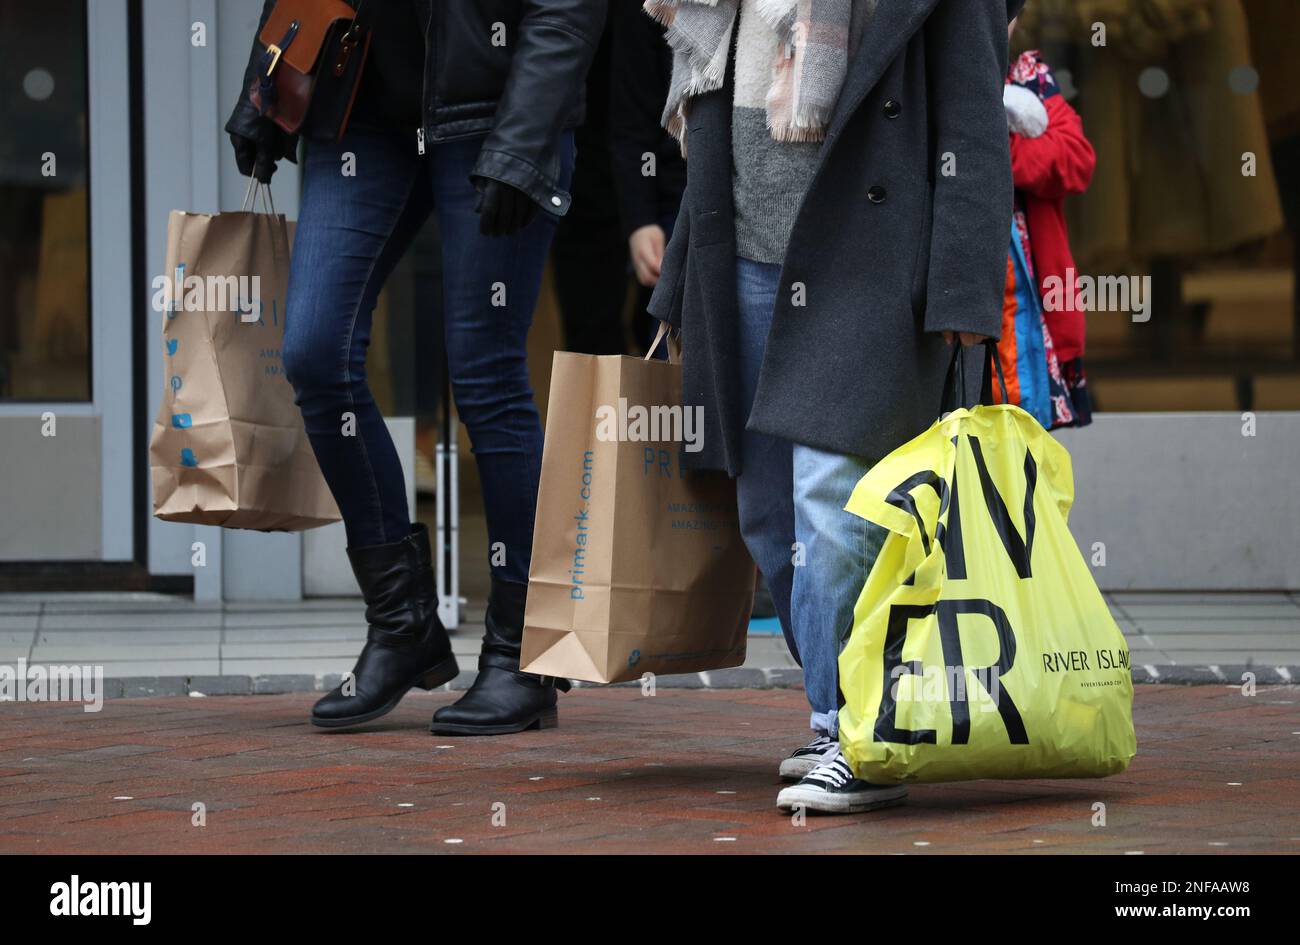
point(903, 233)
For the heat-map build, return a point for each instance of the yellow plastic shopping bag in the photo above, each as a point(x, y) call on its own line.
point(981, 646)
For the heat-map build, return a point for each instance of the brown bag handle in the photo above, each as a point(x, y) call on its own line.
point(674, 345)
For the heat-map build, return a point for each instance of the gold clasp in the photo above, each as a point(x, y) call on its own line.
point(275, 53)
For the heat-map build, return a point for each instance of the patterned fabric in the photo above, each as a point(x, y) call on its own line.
point(1022, 349)
point(1036, 380)
point(1030, 72)
point(1059, 411)
point(807, 74)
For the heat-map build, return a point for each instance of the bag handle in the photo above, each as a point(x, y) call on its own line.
point(954, 386)
point(986, 389)
point(674, 345)
point(257, 189)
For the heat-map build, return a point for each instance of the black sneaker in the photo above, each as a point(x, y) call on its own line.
point(801, 763)
point(831, 788)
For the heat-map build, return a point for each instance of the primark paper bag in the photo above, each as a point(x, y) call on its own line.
point(637, 566)
point(228, 445)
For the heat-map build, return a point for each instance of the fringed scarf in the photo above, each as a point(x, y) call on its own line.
point(817, 39)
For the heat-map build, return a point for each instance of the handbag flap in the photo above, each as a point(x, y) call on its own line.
point(314, 17)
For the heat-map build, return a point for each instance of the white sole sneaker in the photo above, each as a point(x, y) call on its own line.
point(795, 769)
point(813, 798)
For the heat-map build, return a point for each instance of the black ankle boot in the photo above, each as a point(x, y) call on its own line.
point(406, 645)
point(502, 699)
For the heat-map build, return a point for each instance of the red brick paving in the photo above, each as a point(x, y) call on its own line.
point(683, 771)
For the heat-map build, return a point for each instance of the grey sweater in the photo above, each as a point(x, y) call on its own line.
point(769, 178)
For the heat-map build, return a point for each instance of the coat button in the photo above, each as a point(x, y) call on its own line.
point(893, 109)
point(555, 200)
point(876, 194)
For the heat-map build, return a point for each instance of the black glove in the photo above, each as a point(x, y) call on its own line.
point(258, 155)
point(502, 209)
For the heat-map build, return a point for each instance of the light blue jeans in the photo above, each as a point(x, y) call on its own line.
point(814, 555)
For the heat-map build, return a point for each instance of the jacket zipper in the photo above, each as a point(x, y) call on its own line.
point(424, 86)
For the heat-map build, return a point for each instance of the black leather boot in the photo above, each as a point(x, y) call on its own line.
point(502, 699)
point(407, 644)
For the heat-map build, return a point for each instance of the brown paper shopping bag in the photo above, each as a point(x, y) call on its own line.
point(636, 567)
point(228, 445)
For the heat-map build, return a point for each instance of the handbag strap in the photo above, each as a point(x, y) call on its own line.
point(360, 22)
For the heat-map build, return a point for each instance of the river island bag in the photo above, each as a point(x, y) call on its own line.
point(981, 646)
point(636, 568)
point(228, 445)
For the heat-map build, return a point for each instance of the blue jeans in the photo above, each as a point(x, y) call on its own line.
point(814, 555)
point(352, 229)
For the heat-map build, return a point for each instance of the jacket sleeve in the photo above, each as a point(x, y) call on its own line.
point(636, 101)
point(244, 119)
point(966, 57)
point(556, 43)
point(1058, 162)
point(666, 301)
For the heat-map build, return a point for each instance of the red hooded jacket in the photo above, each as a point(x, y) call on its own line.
point(1045, 169)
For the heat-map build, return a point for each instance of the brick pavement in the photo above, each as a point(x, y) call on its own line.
point(683, 771)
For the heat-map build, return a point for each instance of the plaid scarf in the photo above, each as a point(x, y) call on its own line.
point(816, 39)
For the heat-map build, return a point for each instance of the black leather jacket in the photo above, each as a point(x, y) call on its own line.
point(512, 70)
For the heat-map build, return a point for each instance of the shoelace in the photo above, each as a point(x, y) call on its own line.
point(833, 771)
point(818, 746)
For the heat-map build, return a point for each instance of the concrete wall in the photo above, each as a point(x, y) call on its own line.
point(1186, 501)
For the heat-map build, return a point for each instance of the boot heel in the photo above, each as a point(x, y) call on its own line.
point(548, 719)
point(440, 675)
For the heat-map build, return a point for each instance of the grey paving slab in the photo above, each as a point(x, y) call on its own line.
point(289, 619)
point(156, 637)
point(353, 630)
point(310, 666)
point(768, 652)
point(285, 682)
point(109, 638)
point(1226, 640)
point(1231, 619)
point(305, 649)
point(464, 645)
point(154, 686)
point(108, 601)
point(160, 619)
point(90, 653)
point(1148, 657)
point(153, 668)
point(220, 685)
point(1166, 598)
point(24, 635)
point(1126, 626)
point(1283, 615)
point(1269, 658)
point(310, 603)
